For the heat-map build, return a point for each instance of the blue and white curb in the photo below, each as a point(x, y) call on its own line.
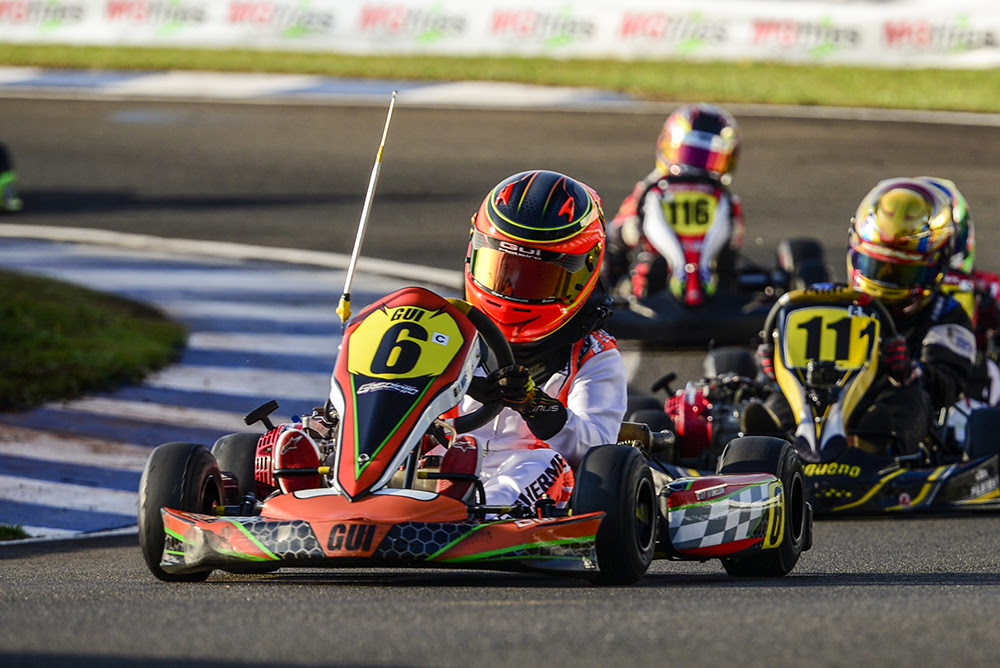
point(255, 87)
point(259, 330)
point(262, 88)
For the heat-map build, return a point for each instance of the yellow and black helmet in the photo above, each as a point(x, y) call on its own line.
point(901, 239)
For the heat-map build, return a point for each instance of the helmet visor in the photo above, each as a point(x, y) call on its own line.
point(701, 155)
point(527, 274)
point(894, 274)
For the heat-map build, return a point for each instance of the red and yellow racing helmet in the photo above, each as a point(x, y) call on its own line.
point(900, 243)
point(535, 253)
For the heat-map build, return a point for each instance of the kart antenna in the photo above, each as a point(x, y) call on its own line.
point(344, 307)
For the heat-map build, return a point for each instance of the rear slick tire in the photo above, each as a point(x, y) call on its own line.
point(729, 361)
point(236, 454)
point(184, 476)
point(981, 431)
point(615, 479)
point(763, 454)
point(804, 261)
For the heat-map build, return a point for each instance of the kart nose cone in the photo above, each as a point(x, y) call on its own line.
point(693, 295)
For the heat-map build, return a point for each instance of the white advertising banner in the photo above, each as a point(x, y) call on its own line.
point(904, 33)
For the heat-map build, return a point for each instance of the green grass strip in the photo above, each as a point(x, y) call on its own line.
point(12, 532)
point(662, 80)
point(60, 340)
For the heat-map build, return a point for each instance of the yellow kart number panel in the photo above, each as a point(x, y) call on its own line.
point(689, 213)
point(404, 342)
point(844, 336)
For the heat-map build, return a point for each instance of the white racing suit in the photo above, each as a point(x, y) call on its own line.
point(518, 468)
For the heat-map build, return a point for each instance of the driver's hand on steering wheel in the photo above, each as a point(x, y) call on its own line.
point(515, 388)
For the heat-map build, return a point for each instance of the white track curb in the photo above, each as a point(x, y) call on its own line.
point(440, 277)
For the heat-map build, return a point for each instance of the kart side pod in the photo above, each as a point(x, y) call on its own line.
point(719, 516)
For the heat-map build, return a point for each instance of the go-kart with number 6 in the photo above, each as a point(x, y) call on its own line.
point(366, 492)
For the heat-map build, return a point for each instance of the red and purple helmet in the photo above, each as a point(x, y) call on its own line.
point(698, 139)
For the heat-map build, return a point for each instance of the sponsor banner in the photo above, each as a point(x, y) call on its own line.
point(963, 33)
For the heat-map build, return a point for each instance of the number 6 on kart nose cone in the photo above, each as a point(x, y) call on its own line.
point(405, 360)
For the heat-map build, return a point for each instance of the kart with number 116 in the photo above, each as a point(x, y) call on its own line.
point(692, 287)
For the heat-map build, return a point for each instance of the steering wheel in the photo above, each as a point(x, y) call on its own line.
point(497, 344)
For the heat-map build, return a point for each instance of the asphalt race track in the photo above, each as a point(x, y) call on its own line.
point(887, 592)
point(295, 175)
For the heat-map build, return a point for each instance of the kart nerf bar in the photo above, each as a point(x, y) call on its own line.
point(660, 443)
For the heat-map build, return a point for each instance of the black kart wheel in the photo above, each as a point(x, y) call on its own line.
point(654, 417)
point(804, 262)
point(981, 432)
point(762, 454)
point(616, 479)
point(236, 454)
point(184, 476)
point(640, 402)
point(730, 361)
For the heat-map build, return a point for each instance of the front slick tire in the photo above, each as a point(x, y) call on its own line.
point(184, 476)
point(763, 454)
point(615, 479)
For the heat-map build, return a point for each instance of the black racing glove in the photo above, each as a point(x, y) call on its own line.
point(898, 362)
point(765, 357)
point(516, 389)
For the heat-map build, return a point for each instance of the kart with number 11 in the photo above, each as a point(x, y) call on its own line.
point(826, 344)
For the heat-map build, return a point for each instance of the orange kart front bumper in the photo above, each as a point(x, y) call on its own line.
point(318, 528)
